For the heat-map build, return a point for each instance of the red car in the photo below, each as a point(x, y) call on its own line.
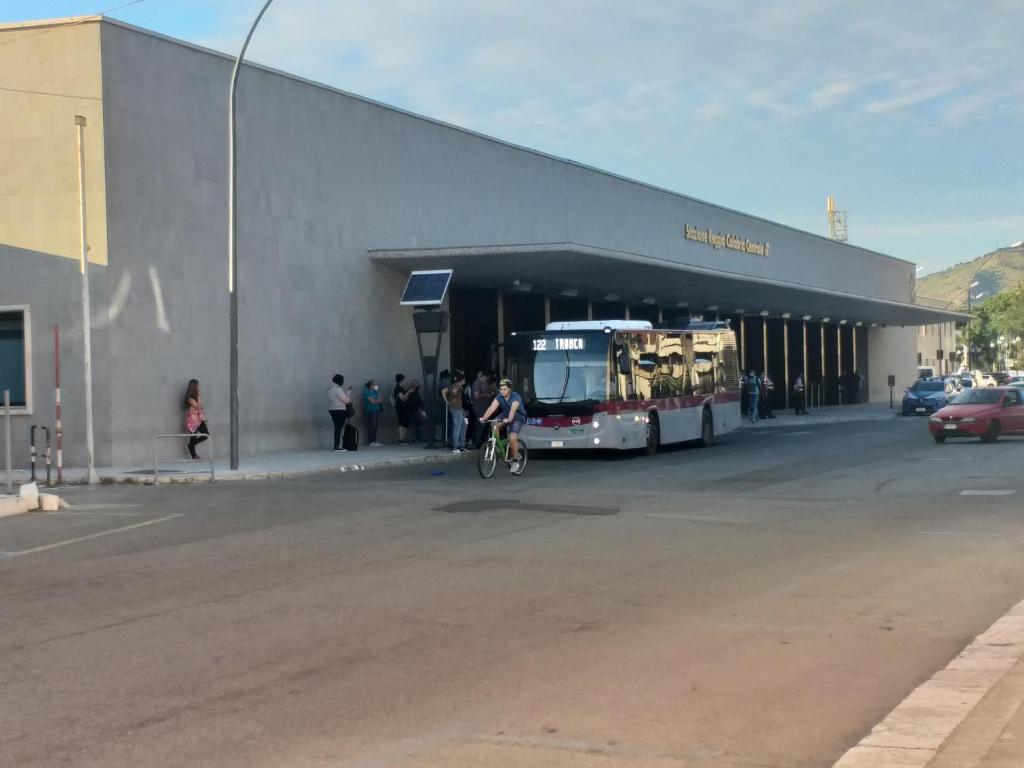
point(986, 413)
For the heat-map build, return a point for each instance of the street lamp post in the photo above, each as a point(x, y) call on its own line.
point(971, 285)
point(233, 237)
point(90, 456)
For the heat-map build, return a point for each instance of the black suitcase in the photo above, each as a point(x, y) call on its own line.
point(350, 438)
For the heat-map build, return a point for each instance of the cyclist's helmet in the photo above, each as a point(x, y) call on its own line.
point(505, 383)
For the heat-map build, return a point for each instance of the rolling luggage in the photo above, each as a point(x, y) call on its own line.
point(350, 438)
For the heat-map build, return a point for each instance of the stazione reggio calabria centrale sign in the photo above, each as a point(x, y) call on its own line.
point(719, 240)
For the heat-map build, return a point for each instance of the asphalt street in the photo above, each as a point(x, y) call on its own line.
point(762, 603)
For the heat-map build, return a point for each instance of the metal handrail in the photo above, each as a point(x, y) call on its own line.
point(190, 435)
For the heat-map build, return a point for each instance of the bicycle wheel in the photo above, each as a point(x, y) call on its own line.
point(524, 455)
point(488, 459)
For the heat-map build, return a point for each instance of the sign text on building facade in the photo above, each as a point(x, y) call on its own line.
point(718, 240)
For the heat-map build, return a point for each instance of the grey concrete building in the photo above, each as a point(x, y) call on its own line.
point(339, 198)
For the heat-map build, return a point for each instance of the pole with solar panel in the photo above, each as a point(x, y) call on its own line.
point(425, 292)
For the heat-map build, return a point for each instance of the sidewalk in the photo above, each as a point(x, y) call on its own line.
point(830, 414)
point(261, 467)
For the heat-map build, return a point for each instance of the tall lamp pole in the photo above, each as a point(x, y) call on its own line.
point(233, 236)
point(971, 285)
point(90, 457)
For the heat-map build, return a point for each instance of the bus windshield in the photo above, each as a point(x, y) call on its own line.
point(570, 376)
point(562, 373)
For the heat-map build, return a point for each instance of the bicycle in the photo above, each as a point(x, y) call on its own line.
point(498, 445)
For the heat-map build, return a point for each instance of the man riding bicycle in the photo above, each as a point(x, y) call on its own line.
point(513, 417)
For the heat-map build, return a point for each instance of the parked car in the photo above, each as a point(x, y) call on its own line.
point(925, 396)
point(953, 384)
point(986, 379)
point(980, 412)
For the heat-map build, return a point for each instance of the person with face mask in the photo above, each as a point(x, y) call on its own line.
point(371, 409)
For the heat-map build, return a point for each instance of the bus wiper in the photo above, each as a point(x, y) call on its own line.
point(565, 383)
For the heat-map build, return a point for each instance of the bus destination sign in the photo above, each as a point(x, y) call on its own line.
point(559, 344)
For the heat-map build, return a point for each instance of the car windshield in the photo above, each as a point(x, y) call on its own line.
point(978, 397)
point(928, 386)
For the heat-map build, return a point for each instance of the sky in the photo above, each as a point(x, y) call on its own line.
point(911, 114)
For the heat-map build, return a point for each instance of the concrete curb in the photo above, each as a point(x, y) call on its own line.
point(14, 505)
point(913, 733)
point(286, 474)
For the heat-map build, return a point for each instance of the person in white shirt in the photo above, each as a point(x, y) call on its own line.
point(338, 402)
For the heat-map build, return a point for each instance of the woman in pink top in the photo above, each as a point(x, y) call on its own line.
point(195, 417)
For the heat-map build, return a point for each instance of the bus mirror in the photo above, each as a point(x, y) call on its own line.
point(624, 367)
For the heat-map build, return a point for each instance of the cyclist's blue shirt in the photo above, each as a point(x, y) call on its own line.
point(506, 405)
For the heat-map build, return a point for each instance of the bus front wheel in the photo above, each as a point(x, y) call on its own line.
point(653, 435)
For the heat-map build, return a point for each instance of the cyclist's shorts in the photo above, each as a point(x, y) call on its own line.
point(515, 426)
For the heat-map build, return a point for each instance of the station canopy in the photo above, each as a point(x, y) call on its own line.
point(594, 273)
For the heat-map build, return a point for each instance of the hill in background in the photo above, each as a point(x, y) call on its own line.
point(999, 270)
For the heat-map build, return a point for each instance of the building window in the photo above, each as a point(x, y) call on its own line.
point(16, 357)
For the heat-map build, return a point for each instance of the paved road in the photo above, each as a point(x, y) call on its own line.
point(762, 603)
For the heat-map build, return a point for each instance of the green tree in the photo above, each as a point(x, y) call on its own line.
point(1000, 316)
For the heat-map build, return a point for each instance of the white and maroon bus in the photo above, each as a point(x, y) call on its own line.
point(625, 384)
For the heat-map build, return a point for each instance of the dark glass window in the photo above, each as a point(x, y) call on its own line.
point(12, 356)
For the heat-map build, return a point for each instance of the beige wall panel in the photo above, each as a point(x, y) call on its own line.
point(49, 74)
point(891, 350)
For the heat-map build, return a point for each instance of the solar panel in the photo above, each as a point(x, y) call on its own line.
point(426, 288)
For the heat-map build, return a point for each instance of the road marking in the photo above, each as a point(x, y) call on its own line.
point(698, 519)
point(90, 507)
point(993, 492)
point(90, 513)
point(5, 555)
point(913, 733)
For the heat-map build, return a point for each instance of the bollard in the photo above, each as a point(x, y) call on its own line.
point(32, 453)
point(7, 436)
point(58, 432)
point(49, 483)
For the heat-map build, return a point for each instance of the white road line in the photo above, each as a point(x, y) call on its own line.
point(90, 507)
point(697, 519)
point(5, 555)
point(993, 492)
point(90, 513)
point(913, 733)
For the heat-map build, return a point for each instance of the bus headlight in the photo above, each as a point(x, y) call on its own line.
point(597, 441)
point(596, 425)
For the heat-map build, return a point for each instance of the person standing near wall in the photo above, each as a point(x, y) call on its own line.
point(417, 411)
point(338, 402)
point(753, 395)
point(400, 401)
point(799, 403)
point(481, 399)
point(371, 409)
point(767, 393)
point(195, 417)
point(456, 412)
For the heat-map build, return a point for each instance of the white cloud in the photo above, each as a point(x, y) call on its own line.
point(699, 60)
